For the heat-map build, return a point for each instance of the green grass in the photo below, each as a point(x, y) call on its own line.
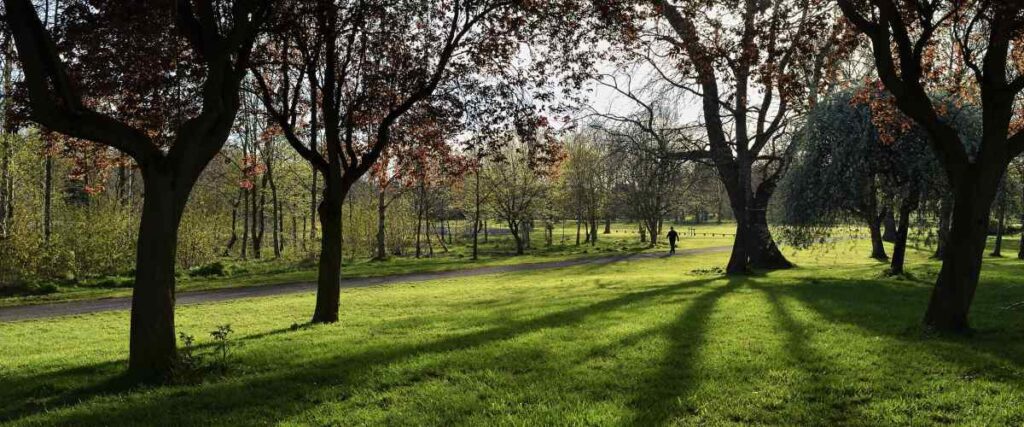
point(498, 250)
point(644, 342)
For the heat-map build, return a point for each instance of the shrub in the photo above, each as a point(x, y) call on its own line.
point(215, 268)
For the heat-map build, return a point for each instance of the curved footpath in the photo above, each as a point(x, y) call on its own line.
point(40, 311)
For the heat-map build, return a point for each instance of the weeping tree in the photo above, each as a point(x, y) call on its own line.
point(849, 164)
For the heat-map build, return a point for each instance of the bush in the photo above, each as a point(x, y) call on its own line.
point(215, 268)
point(114, 282)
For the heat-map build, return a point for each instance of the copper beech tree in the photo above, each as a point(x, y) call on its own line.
point(346, 80)
point(158, 81)
point(910, 42)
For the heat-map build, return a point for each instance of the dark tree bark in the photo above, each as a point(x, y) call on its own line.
point(889, 225)
point(899, 249)
point(607, 226)
point(954, 290)
point(1020, 248)
point(997, 250)
point(945, 216)
point(877, 246)
point(328, 283)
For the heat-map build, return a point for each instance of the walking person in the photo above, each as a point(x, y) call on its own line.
point(672, 237)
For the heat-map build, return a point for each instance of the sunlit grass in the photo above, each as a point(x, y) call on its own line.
point(637, 342)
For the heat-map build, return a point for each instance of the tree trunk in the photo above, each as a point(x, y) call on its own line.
point(245, 223)
point(328, 284)
point(899, 249)
point(954, 289)
point(152, 354)
point(607, 226)
point(515, 231)
point(419, 221)
point(877, 246)
point(1020, 248)
point(763, 251)
point(579, 225)
point(997, 250)
point(381, 207)
point(593, 231)
point(234, 224)
point(889, 225)
point(945, 215)
point(48, 199)
point(476, 215)
point(276, 217)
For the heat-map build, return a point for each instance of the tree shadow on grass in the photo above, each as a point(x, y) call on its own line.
point(666, 390)
point(280, 394)
point(895, 310)
point(819, 387)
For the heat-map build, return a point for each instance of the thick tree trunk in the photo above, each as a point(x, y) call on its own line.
point(579, 225)
point(997, 250)
point(607, 226)
point(877, 245)
point(954, 290)
point(763, 251)
point(1020, 248)
point(945, 215)
point(328, 289)
point(152, 352)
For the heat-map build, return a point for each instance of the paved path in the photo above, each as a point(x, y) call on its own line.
point(40, 311)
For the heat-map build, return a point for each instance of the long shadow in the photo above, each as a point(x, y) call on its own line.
point(895, 310)
point(281, 393)
point(816, 380)
point(675, 379)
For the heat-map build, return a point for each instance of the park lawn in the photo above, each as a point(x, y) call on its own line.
point(499, 250)
point(644, 342)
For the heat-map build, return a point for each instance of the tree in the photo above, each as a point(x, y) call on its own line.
point(585, 179)
point(745, 62)
point(68, 93)
point(907, 38)
point(847, 166)
point(516, 179)
point(374, 66)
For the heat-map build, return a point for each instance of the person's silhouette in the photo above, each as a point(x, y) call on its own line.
point(672, 237)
